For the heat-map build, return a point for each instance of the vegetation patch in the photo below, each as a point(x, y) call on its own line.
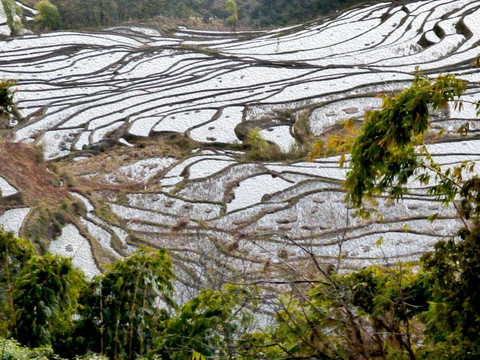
point(36, 179)
point(45, 222)
point(111, 158)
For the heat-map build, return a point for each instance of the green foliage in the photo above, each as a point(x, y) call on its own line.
point(282, 12)
point(366, 314)
point(48, 17)
point(258, 146)
point(13, 14)
point(87, 13)
point(125, 313)
point(260, 149)
point(45, 298)
point(453, 320)
point(11, 350)
point(14, 254)
point(251, 13)
point(6, 97)
point(384, 155)
point(231, 7)
point(264, 344)
point(206, 325)
point(121, 307)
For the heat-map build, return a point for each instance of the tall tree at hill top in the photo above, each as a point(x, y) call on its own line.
point(48, 17)
point(231, 7)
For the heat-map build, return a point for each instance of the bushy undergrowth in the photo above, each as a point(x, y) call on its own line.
point(12, 350)
point(126, 313)
point(259, 149)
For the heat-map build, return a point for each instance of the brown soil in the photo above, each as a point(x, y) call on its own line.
point(117, 156)
point(23, 167)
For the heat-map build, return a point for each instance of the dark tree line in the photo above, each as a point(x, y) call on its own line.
point(283, 12)
point(251, 13)
point(88, 13)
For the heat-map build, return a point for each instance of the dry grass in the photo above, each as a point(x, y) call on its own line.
point(42, 189)
point(117, 156)
point(21, 165)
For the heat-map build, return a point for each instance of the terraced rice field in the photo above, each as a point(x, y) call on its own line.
point(225, 218)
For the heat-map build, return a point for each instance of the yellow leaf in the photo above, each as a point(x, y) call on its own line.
point(379, 242)
point(349, 124)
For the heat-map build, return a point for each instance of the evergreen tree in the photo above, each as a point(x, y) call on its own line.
point(48, 17)
point(45, 298)
point(14, 255)
point(231, 7)
point(7, 105)
point(123, 307)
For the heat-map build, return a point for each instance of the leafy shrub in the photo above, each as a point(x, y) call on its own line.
point(6, 97)
point(231, 7)
point(11, 350)
point(206, 325)
point(45, 299)
point(48, 17)
point(258, 146)
point(124, 300)
point(14, 255)
point(260, 149)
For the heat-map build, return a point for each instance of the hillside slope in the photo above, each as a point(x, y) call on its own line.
point(145, 133)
